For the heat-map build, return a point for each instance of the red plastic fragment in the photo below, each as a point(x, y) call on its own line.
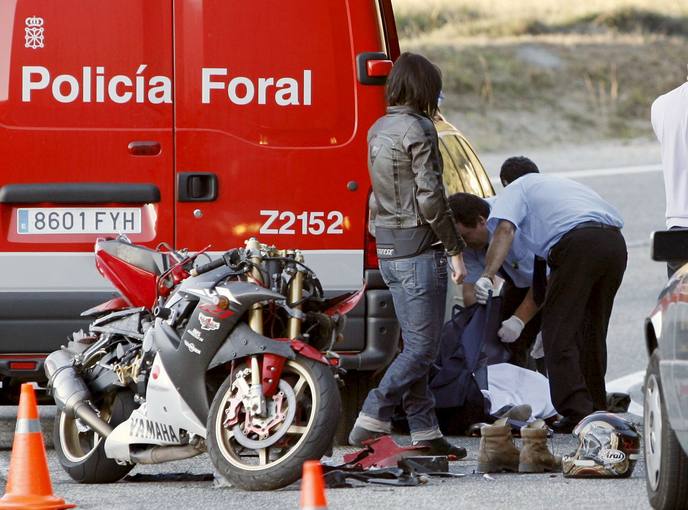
point(380, 453)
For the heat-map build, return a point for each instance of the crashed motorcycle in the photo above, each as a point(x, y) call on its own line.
point(233, 357)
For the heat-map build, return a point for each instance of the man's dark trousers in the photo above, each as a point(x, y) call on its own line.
point(586, 269)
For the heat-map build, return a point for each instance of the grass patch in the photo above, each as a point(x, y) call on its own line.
point(467, 22)
point(623, 21)
point(540, 72)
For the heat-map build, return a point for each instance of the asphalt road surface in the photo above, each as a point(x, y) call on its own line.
point(630, 179)
point(175, 486)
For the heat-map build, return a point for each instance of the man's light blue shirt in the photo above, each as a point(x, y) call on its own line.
point(518, 263)
point(543, 208)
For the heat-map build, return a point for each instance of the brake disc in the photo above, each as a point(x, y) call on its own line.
point(256, 425)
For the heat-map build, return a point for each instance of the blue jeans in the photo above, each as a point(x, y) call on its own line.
point(419, 287)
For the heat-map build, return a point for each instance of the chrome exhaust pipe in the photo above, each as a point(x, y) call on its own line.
point(71, 393)
point(85, 413)
point(160, 454)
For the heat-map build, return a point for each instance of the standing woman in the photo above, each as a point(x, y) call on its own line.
point(415, 236)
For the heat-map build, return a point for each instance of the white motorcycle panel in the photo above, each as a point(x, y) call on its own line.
point(166, 405)
point(139, 429)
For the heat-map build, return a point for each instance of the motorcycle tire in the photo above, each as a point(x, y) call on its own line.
point(82, 453)
point(319, 402)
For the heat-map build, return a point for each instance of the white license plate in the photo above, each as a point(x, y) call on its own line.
point(79, 220)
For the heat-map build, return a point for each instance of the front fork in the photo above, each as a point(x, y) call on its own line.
point(272, 364)
point(295, 296)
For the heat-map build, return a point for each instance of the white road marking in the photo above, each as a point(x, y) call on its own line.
point(601, 172)
point(604, 172)
point(627, 384)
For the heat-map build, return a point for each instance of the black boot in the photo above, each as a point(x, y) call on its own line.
point(440, 446)
point(566, 424)
point(359, 435)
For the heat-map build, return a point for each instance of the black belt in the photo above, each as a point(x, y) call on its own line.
point(581, 226)
point(594, 224)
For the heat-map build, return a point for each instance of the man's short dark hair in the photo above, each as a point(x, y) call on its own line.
point(416, 82)
point(467, 209)
point(516, 167)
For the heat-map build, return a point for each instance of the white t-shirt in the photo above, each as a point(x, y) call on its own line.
point(510, 385)
point(670, 122)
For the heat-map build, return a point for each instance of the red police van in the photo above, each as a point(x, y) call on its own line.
point(188, 123)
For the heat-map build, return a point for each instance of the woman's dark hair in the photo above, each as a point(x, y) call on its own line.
point(415, 82)
point(467, 208)
point(516, 167)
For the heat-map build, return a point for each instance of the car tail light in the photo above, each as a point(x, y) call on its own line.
point(370, 248)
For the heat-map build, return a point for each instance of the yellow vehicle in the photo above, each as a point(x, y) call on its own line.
point(463, 170)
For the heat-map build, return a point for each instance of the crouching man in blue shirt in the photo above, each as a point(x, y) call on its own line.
point(520, 323)
point(578, 234)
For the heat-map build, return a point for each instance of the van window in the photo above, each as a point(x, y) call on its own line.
point(279, 76)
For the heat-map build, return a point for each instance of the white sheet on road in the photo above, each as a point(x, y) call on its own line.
point(510, 385)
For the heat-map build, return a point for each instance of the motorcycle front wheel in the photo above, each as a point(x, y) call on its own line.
point(267, 452)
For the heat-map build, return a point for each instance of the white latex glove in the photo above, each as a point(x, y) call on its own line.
point(482, 289)
point(538, 350)
point(511, 329)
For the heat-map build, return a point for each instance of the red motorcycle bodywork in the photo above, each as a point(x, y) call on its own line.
point(341, 305)
point(118, 303)
point(137, 286)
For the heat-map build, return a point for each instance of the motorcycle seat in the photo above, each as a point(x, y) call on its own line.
point(144, 258)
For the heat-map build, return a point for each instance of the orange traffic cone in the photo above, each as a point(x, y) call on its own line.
point(313, 487)
point(28, 483)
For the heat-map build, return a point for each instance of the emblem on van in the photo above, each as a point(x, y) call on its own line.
point(34, 33)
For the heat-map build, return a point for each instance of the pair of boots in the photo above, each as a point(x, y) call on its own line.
point(498, 452)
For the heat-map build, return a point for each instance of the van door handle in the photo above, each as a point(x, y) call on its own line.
point(196, 187)
point(144, 148)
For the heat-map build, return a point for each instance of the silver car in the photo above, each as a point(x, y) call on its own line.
point(666, 380)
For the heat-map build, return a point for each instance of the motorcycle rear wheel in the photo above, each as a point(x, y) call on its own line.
point(81, 451)
point(309, 436)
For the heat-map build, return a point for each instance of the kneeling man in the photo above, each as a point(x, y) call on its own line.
point(519, 312)
point(578, 234)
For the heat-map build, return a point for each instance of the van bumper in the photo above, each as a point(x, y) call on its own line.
point(372, 329)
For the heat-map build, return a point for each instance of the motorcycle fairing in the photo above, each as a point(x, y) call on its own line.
point(136, 284)
point(243, 342)
point(165, 408)
point(118, 303)
point(166, 404)
point(123, 322)
point(341, 305)
point(188, 358)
